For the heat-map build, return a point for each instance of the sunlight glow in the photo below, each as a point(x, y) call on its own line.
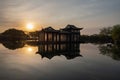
point(30, 49)
point(29, 26)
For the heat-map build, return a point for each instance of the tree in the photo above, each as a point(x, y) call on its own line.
point(116, 33)
point(106, 31)
point(14, 34)
point(113, 32)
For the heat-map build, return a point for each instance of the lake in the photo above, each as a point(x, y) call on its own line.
point(71, 62)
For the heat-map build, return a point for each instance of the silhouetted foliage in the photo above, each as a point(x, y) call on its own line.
point(106, 31)
point(116, 33)
point(96, 38)
point(13, 35)
point(106, 35)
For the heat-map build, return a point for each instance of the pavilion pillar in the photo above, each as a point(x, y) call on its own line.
point(47, 37)
point(56, 37)
point(53, 37)
point(59, 37)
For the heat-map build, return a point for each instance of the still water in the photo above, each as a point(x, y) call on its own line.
point(85, 62)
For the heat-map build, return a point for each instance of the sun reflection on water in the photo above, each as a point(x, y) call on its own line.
point(30, 49)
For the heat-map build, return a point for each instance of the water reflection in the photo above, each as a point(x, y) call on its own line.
point(29, 49)
point(12, 45)
point(110, 50)
point(70, 51)
point(24, 64)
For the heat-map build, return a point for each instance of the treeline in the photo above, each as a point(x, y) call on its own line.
point(96, 38)
point(106, 35)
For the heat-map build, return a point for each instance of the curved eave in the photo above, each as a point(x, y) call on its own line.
point(80, 28)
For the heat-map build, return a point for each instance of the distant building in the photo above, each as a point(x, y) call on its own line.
point(68, 34)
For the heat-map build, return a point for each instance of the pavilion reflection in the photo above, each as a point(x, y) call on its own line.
point(70, 51)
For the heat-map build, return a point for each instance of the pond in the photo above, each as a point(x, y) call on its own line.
point(59, 62)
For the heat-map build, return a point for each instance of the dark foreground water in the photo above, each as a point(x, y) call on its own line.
point(94, 62)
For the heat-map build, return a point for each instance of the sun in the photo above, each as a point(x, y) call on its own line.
point(30, 49)
point(29, 26)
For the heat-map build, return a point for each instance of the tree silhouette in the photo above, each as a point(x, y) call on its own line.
point(14, 34)
point(116, 33)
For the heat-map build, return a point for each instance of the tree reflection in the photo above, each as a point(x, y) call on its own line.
point(110, 50)
point(70, 51)
point(12, 45)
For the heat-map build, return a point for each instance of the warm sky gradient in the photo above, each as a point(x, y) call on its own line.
point(90, 14)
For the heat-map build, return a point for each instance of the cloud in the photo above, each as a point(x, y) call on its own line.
point(59, 12)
